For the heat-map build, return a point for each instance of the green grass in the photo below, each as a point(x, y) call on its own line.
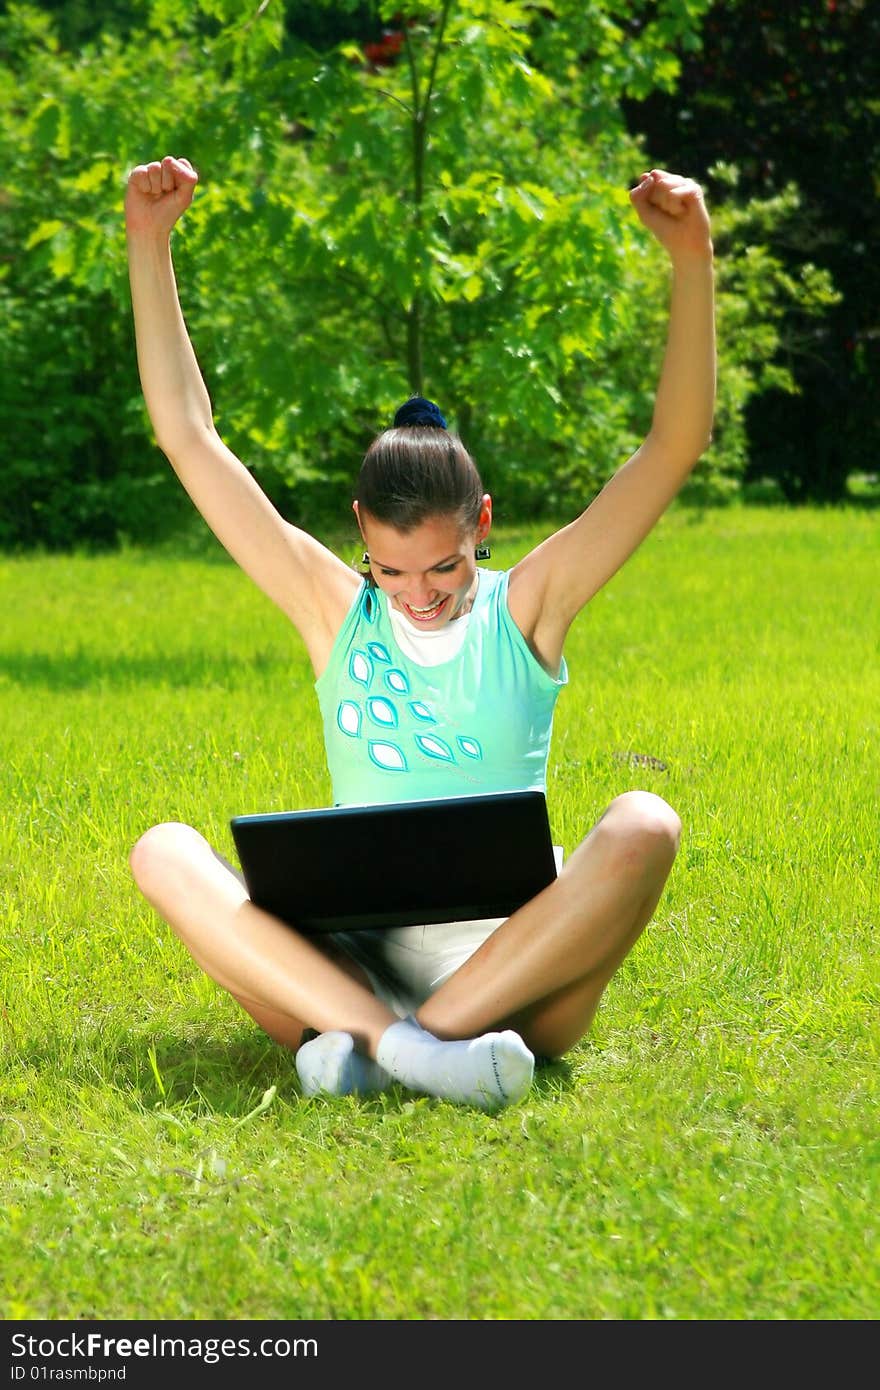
point(708, 1152)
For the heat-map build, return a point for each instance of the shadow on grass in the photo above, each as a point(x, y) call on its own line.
point(206, 1075)
point(552, 1074)
point(81, 670)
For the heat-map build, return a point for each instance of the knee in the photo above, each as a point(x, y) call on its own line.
point(155, 854)
point(642, 825)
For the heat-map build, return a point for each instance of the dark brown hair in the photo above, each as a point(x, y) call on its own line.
point(414, 471)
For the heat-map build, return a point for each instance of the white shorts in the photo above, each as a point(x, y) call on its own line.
point(405, 965)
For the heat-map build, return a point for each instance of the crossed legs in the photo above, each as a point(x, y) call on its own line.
point(541, 974)
point(283, 981)
point(544, 970)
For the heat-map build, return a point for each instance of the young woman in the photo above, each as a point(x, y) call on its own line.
point(410, 665)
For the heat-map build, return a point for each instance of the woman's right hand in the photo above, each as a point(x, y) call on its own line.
point(158, 194)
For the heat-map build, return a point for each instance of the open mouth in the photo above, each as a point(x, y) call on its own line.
point(425, 615)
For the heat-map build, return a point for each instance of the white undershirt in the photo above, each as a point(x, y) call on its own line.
point(431, 647)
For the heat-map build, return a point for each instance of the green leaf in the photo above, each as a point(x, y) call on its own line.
point(63, 257)
point(94, 177)
point(44, 232)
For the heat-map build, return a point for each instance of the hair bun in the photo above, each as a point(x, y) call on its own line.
point(418, 411)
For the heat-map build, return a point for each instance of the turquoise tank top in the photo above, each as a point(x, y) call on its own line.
point(395, 730)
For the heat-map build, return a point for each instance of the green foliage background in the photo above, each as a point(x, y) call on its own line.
point(790, 94)
point(431, 201)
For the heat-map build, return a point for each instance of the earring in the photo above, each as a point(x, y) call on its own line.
point(365, 558)
point(483, 552)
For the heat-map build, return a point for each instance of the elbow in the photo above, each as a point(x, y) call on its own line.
point(692, 457)
point(682, 453)
point(179, 440)
point(704, 445)
point(170, 444)
point(693, 448)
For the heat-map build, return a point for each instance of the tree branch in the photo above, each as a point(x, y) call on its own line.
point(392, 97)
point(435, 58)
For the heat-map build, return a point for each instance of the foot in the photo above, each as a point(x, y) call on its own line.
point(488, 1072)
point(329, 1065)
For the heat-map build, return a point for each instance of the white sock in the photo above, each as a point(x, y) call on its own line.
point(329, 1065)
point(489, 1072)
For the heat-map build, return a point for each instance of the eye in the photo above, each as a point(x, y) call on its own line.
point(446, 569)
point(390, 573)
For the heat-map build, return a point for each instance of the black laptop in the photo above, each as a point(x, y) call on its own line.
point(347, 868)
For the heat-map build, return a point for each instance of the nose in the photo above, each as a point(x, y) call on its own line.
point(420, 592)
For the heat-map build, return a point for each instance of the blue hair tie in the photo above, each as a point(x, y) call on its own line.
point(418, 411)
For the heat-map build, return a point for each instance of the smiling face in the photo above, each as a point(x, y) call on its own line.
point(429, 572)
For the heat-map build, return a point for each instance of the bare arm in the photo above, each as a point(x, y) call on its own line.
point(305, 579)
point(551, 585)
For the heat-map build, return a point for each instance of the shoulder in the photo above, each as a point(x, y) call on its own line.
point(530, 605)
point(493, 584)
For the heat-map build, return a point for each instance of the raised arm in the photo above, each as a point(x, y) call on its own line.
point(305, 579)
point(552, 584)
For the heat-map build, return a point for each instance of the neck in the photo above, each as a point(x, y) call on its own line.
point(469, 601)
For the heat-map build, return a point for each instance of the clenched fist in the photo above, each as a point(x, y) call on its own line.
point(158, 194)
point(673, 208)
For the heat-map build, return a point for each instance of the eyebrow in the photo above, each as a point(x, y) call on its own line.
point(456, 555)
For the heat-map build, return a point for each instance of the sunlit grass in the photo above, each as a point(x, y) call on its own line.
point(710, 1151)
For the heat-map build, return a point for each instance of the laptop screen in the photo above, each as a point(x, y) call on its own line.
point(347, 868)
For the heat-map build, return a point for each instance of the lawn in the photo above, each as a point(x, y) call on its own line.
point(708, 1152)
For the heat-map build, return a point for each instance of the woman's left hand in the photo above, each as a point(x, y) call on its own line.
point(674, 210)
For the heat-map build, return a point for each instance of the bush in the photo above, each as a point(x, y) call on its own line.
point(446, 211)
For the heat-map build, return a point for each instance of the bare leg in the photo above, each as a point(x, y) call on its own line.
point(281, 979)
point(284, 981)
point(544, 970)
